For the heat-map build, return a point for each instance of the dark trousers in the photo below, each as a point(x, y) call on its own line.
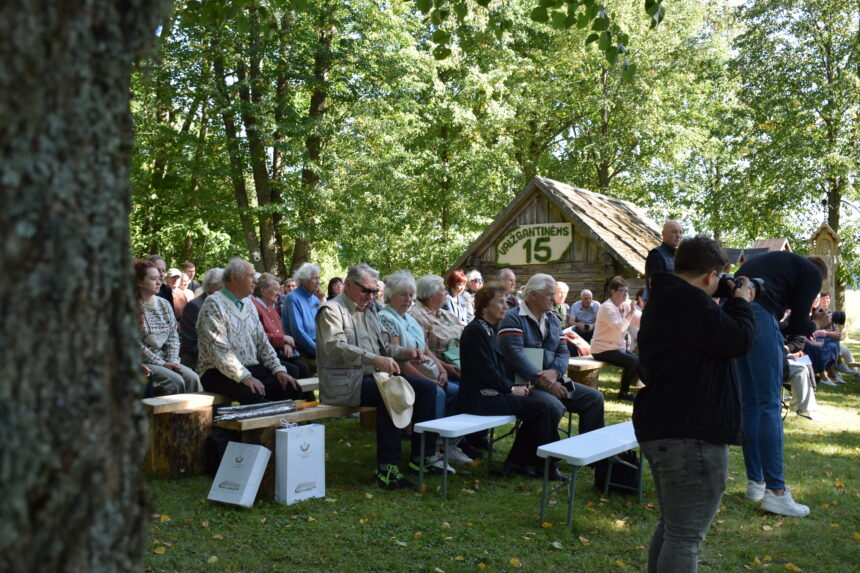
point(626, 360)
point(214, 381)
point(387, 434)
point(539, 424)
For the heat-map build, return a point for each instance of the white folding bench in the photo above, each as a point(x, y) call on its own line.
point(584, 449)
point(457, 427)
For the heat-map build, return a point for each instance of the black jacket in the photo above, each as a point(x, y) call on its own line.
point(660, 259)
point(482, 365)
point(790, 282)
point(686, 346)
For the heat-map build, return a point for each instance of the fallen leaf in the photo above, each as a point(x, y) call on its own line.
point(213, 559)
point(620, 523)
point(839, 484)
point(368, 496)
point(263, 520)
point(164, 518)
point(467, 524)
point(401, 543)
point(792, 567)
point(855, 536)
point(204, 524)
point(756, 561)
point(557, 544)
point(834, 524)
point(584, 541)
point(546, 524)
point(437, 570)
point(217, 536)
point(469, 491)
point(768, 558)
point(363, 520)
point(619, 562)
point(552, 501)
point(417, 535)
point(311, 518)
point(515, 562)
point(459, 558)
point(446, 524)
point(482, 565)
point(767, 528)
point(160, 550)
point(330, 500)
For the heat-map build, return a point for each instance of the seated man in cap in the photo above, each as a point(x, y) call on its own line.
point(350, 349)
point(532, 325)
point(235, 356)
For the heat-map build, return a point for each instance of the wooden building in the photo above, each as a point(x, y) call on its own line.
point(577, 236)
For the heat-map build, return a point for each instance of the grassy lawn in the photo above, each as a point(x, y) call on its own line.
point(491, 523)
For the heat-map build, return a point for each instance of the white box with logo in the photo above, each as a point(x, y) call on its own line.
point(240, 474)
point(299, 463)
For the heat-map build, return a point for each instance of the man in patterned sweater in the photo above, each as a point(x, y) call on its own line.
point(236, 358)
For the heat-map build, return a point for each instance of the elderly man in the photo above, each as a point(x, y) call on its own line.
point(235, 356)
point(509, 279)
point(351, 348)
point(583, 314)
point(188, 324)
point(661, 259)
point(474, 283)
point(165, 291)
point(532, 326)
point(300, 309)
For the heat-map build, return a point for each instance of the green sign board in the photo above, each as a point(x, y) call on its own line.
point(534, 244)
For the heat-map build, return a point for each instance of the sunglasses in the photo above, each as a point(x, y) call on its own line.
point(476, 280)
point(365, 290)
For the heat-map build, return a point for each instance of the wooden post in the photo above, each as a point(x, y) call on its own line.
point(177, 440)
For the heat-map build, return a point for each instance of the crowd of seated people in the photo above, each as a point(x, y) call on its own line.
point(465, 346)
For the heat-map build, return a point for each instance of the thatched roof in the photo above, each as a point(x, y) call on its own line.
point(620, 227)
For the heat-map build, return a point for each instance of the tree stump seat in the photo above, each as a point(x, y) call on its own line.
point(585, 370)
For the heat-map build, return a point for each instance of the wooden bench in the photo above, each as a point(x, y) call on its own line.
point(178, 427)
point(585, 370)
point(584, 449)
point(457, 427)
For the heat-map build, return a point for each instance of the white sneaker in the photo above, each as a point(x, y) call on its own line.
point(755, 491)
point(456, 456)
point(437, 462)
point(783, 504)
point(826, 382)
point(839, 379)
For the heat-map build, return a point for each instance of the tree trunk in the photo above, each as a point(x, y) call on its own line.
point(70, 417)
point(237, 174)
point(313, 143)
point(250, 92)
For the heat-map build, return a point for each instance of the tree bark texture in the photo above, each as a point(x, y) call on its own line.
point(72, 427)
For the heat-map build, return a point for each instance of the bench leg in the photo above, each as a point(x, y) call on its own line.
point(545, 494)
point(445, 468)
point(421, 468)
point(639, 476)
point(571, 493)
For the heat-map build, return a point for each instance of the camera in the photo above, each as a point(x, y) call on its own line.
point(838, 317)
point(728, 283)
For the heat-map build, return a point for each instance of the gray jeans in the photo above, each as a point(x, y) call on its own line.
point(690, 477)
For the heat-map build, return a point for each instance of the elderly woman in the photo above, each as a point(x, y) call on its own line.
point(485, 390)
point(560, 308)
point(159, 340)
point(265, 296)
point(456, 302)
point(300, 309)
point(609, 343)
point(402, 329)
point(188, 350)
point(442, 329)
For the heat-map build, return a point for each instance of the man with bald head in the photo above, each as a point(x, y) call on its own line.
point(662, 258)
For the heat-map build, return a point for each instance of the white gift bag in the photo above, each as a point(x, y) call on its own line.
point(240, 474)
point(299, 463)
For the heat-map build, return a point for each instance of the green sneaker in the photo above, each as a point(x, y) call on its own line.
point(392, 479)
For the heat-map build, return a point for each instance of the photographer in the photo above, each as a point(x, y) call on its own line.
point(689, 411)
point(791, 282)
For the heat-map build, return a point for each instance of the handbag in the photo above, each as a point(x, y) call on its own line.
point(451, 355)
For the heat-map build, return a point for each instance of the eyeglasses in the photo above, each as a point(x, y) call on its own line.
point(365, 290)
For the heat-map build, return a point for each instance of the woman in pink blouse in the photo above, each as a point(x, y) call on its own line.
point(609, 343)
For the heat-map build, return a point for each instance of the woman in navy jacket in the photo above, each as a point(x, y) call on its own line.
point(485, 390)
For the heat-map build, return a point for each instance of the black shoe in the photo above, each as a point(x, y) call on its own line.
point(478, 443)
point(510, 468)
point(627, 396)
point(556, 475)
point(470, 450)
point(392, 479)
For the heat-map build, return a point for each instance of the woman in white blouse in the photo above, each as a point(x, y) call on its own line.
point(609, 343)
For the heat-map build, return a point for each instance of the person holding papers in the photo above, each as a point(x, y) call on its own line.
point(535, 353)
